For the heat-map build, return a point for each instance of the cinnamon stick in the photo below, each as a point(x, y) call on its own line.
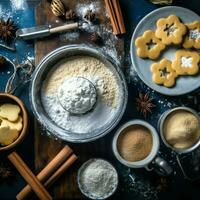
point(47, 171)
point(119, 16)
point(113, 19)
point(54, 177)
point(27, 174)
point(61, 170)
point(116, 17)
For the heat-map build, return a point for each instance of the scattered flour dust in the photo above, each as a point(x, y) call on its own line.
point(18, 4)
point(82, 9)
point(108, 94)
point(109, 40)
point(5, 13)
point(70, 36)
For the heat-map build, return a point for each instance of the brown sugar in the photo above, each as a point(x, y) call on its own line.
point(135, 143)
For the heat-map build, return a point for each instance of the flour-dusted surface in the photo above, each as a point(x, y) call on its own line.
point(101, 26)
point(18, 4)
point(107, 89)
point(98, 179)
point(82, 9)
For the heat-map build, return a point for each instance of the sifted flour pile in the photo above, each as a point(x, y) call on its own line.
point(107, 90)
point(77, 95)
point(98, 179)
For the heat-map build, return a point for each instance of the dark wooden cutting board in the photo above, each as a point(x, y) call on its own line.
point(45, 147)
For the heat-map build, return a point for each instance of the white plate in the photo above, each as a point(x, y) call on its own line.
point(184, 84)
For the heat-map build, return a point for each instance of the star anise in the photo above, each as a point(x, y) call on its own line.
point(7, 29)
point(94, 37)
point(5, 170)
point(144, 104)
point(70, 15)
point(162, 184)
point(90, 15)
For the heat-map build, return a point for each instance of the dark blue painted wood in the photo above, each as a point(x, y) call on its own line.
point(133, 11)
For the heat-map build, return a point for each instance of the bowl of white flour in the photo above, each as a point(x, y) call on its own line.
point(78, 94)
point(97, 179)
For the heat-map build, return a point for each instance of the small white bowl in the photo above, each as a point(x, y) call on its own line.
point(86, 193)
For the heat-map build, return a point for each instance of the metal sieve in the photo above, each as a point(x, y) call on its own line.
point(46, 64)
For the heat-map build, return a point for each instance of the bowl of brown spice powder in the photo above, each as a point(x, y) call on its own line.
point(136, 145)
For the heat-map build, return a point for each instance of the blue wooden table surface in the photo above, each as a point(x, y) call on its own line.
point(133, 11)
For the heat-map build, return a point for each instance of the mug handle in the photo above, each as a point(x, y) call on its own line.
point(160, 166)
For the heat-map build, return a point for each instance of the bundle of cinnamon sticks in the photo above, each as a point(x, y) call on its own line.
point(60, 163)
point(116, 17)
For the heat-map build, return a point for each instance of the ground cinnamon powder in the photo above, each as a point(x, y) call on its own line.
point(135, 143)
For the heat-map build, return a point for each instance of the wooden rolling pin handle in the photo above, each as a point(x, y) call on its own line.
point(64, 28)
point(46, 172)
point(27, 174)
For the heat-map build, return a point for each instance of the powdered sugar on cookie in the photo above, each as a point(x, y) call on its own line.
point(186, 62)
point(194, 34)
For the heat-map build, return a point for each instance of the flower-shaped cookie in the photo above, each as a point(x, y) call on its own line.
point(193, 37)
point(148, 46)
point(186, 62)
point(170, 30)
point(163, 74)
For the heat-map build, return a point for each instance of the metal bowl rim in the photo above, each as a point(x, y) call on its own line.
point(99, 54)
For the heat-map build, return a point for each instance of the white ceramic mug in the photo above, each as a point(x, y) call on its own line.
point(158, 164)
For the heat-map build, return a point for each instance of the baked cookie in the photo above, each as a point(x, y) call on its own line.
point(186, 62)
point(18, 125)
point(9, 111)
point(148, 45)
point(170, 30)
point(8, 136)
point(163, 74)
point(193, 37)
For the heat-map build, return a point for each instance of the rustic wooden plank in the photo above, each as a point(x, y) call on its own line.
point(45, 147)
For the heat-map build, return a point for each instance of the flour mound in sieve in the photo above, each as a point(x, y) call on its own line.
point(77, 95)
